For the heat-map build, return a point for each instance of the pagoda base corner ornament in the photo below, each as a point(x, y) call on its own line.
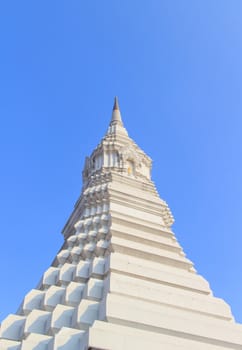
point(121, 280)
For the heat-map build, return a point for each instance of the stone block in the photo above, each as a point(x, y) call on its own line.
point(12, 327)
point(62, 316)
point(74, 293)
point(37, 342)
point(87, 313)
point(53, 296)
point(33, 300)
point(6, 344)
point(38, 321)
point(70, 339)
point(50, 277)
point(83, 271)
point(67, 272)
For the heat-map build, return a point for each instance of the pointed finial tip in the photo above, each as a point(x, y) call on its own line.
point(116, 106)
point(116, 120)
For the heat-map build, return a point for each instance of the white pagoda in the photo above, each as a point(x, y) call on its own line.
point(121, 281)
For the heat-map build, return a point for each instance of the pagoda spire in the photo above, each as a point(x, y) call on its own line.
point(116, 115)
point(115, 105)
point(121, 280)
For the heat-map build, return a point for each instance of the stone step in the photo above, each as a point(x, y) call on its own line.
point(107, 335)
point(159, 273)
point(158, 318)
point(173, 297)
point(132, 234)
point(150, 253)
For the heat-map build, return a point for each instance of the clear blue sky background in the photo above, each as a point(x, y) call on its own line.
point(176, 67)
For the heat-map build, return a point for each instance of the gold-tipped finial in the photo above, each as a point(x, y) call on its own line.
point(115, 105)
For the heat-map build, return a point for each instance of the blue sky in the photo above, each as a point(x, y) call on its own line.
point(176, 67)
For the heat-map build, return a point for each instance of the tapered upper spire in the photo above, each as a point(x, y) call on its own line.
point(115, 105)
point(116, 115)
